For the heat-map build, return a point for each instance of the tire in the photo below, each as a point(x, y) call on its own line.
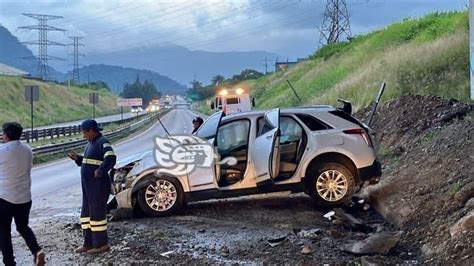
point(154, 204)
point(325, 192)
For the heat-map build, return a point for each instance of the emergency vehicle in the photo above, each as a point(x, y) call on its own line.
point(232, 101)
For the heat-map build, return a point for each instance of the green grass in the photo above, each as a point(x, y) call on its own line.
point(425, 56)
point(56, 103)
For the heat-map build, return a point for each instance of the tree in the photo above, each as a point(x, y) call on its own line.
point(196, 85)
point(146, 91)
point(218, 79)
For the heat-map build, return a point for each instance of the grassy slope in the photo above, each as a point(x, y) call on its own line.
point(423, 56)
point(56, 103)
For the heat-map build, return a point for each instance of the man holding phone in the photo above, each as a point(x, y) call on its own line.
point(95, 164)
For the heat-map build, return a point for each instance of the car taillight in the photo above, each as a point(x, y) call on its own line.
point(361, 132)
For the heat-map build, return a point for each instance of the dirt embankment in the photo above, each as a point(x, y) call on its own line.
point(427, 187)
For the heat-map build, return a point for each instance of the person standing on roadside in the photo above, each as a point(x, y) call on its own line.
point(98, 159)
point(16, 160)
point(197, 122)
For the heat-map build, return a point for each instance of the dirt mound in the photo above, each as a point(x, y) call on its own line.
point(426, 145)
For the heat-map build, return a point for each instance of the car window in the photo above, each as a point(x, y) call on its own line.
point(208, 128)
point(290, 130)
point(262, 126)
point(233, 136)
point(312, 123)
point(232, 100)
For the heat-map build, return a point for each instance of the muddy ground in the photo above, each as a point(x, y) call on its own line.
point(227, 231)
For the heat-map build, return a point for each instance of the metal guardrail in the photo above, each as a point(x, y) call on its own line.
point(50, 149)
point(56, 132)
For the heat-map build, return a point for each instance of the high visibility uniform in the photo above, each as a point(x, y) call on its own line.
point(98, 155)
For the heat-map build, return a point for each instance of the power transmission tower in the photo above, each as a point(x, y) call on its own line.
point(43, 70)
point(266, 63)
point(75, 73)
point(336, 23)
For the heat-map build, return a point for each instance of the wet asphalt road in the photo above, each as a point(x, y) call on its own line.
point(52, 177)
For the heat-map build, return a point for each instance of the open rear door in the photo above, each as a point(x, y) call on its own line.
point(266, 149)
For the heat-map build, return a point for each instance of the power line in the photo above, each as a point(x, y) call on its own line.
point(43, 69)
point(75, 73)
point(336, 22)
point(215, 26)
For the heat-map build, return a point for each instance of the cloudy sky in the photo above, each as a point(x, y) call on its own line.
point(285, 27)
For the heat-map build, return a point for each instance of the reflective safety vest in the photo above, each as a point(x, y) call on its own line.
point(98, 154)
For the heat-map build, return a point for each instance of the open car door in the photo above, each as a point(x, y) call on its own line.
point(203, 177)
point(266, 149)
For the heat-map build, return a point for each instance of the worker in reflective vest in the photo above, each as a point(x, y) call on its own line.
point(95, 164)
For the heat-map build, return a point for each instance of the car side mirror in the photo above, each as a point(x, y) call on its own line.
point(253, 102)
point(212, 105)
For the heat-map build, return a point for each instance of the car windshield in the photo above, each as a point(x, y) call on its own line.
point(232, 100)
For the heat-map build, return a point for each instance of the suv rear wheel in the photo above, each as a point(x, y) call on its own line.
point(162, 197)
point(332, 184)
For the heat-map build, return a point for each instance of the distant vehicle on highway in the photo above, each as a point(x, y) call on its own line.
point(322, 151)
point(153, 106)
point(136, 109)
point(232, 101)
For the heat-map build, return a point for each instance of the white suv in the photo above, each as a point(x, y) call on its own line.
point(320, 150)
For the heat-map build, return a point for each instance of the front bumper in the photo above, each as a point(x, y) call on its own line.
point(371, 173)
point(124, 199)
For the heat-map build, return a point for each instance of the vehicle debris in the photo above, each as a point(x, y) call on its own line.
point(342, 218)
point(276, 241)
point(311, 233)
point(167, 254)
point(329, 215)
point(379, 243)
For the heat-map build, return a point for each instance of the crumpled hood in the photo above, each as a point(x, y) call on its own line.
point(121, 162)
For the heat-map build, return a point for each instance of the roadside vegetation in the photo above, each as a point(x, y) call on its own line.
point(425, 56)
point(57, 103)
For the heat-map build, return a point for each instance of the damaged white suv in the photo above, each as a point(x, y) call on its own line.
point(322, 150)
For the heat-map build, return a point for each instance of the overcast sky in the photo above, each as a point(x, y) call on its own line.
point(285, 27)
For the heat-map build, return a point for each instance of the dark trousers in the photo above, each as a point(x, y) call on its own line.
point(95, 192)
point(21, 214)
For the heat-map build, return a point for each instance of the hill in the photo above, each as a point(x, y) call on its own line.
point(56, 103)
point(117, 76)
point(425, 56)
point(12, 51)
point(183, 64)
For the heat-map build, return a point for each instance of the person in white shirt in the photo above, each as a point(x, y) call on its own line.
point(15, 193)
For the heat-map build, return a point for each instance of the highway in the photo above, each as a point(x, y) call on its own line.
point(101, 119)
point(52, 177)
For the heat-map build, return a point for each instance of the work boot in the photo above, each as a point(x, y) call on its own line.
point(82, 249)
point(98, 250)
point(40, 258)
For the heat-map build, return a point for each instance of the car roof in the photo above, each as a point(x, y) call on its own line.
point(290, 110)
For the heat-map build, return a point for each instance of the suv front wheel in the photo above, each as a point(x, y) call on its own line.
point(164, 196)
point(332, 184)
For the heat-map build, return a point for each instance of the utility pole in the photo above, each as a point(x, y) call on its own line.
point(336, 23)
point(43, 70)
point(75, 73)
point(266, 63)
